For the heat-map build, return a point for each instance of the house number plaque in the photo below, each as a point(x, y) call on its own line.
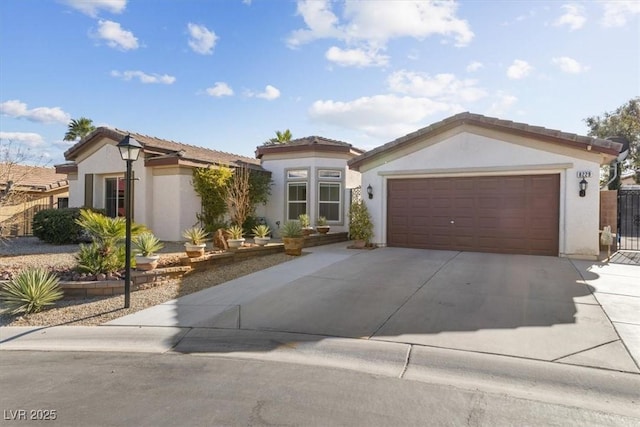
point(584, 174)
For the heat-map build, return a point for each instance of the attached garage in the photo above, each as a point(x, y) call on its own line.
point(482, 184)
point(504, 214)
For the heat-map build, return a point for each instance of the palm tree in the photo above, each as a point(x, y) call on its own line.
point(78, 129)
point(281, 137)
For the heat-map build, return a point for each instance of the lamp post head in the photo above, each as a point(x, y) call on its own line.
point(583, 187)
point(129, 148)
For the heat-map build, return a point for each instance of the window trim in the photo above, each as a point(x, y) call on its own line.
point(288, 181)
point(341, 203)
point(104, 191)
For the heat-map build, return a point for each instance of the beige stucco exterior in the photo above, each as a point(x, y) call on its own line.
point(472, 151)
point(278, 165)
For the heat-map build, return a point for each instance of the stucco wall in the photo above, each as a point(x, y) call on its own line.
point(471, 154)
point(275, 209)
point(175, 203)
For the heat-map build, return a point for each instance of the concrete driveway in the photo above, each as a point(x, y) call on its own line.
point(523, 306)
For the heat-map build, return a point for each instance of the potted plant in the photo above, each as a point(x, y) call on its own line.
point(145, 245)
point(292, 238)
point(360, 225)
point(196, 241)
point(261, 232)
point(235, 239)
point(321, 225)
point(305, 223)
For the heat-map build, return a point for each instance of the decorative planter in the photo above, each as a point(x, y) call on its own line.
point(261, 241)
point(194, 251)
point(322, 229)
point(293, 245)
point(146, 263)
point(307, 231)
point(235, 243)
point(359, 244)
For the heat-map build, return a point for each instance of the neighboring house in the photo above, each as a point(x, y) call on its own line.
point(476, 183)
point(310, 175)
point(163, 194)
point(24, 190)
point(628, 178)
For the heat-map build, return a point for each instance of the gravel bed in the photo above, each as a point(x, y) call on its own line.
point(96, 311)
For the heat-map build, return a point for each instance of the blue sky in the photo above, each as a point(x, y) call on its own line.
point(227, 74)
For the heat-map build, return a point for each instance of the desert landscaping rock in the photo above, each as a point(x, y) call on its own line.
point(96, 311)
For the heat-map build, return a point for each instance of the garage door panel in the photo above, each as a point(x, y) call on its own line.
point(504, 214)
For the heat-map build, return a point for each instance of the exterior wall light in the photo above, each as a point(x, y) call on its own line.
point(583, 187)
point(370, 191)
point(129, 151)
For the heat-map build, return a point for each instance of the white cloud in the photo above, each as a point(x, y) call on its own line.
point(202, 39)
point(519, 69)
point(617, 12)
point(144, 77)
point(443, 87)
point(92, 7)
point(574, 17)
point(367, 26)
point(502, 103)
point(355, 57)
point(570, 65)
point(29, 139)
point(115, 36)
point(17, 109)
point(270, 93)
point(220, 89)
point(474, 66)
point(380, 116)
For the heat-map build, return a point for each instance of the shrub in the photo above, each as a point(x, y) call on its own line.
point(30, 291)
point(58, 226)
point(360, 224)
point(95, 259)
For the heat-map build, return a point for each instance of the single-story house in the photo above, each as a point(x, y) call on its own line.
point(26, 189)
point(476, 183)
point(309, 175)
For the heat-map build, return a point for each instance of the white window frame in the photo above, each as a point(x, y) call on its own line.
point(324, 176)
point(292, 178)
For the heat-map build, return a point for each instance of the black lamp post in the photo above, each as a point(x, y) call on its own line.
point(129, 151)
point(583, 187)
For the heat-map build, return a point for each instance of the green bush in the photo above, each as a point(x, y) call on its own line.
point(58, 226)
point(95, 259)
point(30, 291)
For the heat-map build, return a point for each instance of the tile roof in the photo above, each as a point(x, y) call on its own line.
point(308, 142)
point(162, 148)
point(33, 177)
point(508, 126)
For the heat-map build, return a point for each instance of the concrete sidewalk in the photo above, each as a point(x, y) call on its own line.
point(370, 309)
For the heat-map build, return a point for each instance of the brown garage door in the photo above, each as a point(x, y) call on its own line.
point(504, 214)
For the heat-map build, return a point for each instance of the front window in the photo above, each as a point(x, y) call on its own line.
point(296, 199)
point(114, 197)
point(329, 200)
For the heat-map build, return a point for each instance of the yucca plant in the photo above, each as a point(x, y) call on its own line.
point(261, 230)
point(93, 259)
point(235, 232)
point(147, 244)
point(291, 229)
point(30, 291)
point(195, 235)
point(305, 222)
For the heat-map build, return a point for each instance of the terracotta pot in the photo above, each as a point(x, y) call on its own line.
point(359, 244)
point(323, 229)
point(307, 231)
point(293, 245)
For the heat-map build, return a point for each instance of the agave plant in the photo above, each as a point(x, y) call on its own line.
point(291, 229)
point(30, 291)
point(261, 230)
point(305, 222)
point(235, 232)
point(195, 235)
point(147, 244)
